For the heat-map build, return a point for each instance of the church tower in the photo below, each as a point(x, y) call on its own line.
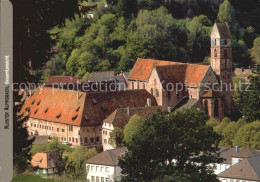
point(221, 52)
point(221, 61)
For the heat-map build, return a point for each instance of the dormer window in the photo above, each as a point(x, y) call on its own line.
point(75, 117)
point(33, 101)
point(36, 111)
point(38, 103)
point(215, 53)
point(77, 109)
point(46, 110)
point(58, 116)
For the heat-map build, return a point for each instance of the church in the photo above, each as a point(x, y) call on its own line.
point(179, 85)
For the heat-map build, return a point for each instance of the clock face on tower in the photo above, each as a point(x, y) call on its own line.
point(223, 42)
point(213, 42)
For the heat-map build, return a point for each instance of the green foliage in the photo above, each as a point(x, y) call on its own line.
point(219, 128)
point(255, 52)
point(226, 13)
point(21, 144)
point(239, 87)
point(212, 122)
point(76, 164)
point(229, 133)
point(183, 136)
point(116, 137)
point(248, 136)
point(251, 97)
point(131, 128)
point(198, 38)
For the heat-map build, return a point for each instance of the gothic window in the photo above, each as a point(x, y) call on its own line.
point(206, 107)
point(169, 94)
point(215, 53)
point(225, 54)
point(151, 91)
point(216, 111)
point(157, 93)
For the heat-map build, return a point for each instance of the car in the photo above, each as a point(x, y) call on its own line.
point(66, 143)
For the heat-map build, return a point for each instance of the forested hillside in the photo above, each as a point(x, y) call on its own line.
point(177, 30)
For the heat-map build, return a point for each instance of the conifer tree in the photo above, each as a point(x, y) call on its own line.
point(251, 99)
point(21, 144)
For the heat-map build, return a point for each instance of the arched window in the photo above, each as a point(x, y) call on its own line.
point(215, 53)
point(206, 107)
point(151, 91)
point(216, 111)
point(225, 54)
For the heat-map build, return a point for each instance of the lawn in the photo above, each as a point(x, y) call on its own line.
point(30, 178)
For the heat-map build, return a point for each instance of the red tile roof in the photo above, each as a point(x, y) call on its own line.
point(81, 108)
point(174, 72)
point(44, 160)
point(190, 74)
point(143, 68)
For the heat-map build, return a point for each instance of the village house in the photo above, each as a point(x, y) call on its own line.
point(45, 163)
point(244, 74)
point(120, 117)
point(74, 116)
point(173, 82)
point(245, 167)
point(104, 166)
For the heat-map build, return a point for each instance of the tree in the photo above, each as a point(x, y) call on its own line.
point(131, 128)
point(21, 144)
point(198, 38)
point(229, 134)
point(76, 164)
point(157, 35)
point(255, 51)
point(251, 97)
point(116, 137)
point(226, 13)
point(219, 128)
point(248, 136)
point(177, 143)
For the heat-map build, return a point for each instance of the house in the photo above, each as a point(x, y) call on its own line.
point(173, 83)
point(247, 170)
point(104, 166)
point(45, 163)
point(54, 81)
point(225, 153)
point(75, 116)
point(109, 76)
point(244, 166)
point(243, 73)
point(120, 117)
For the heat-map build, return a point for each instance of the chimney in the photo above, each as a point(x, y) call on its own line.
point(237, 149)
point(128, 111)
point(148, 102)
point(169, 109)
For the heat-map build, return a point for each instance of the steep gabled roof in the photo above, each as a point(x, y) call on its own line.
point(108, 157)
point(44, 160)
point(247, 169)
point(120, 117)
point(222, 29)
point(247, 152)
point(190, 74)
point(102, 74)
point(81, 108)
point(61, 80)
point(143, 68)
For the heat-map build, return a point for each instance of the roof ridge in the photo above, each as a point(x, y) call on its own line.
point(111, 155)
